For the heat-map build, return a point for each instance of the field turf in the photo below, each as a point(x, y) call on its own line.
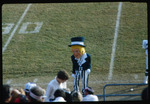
point(42, 54)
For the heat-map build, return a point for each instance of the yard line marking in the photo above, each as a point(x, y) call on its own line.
point(114, 43)
point(13, 32)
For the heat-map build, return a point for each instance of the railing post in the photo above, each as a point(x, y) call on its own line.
point(104, 90)
point(104, 93)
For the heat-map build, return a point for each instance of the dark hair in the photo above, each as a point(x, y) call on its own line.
point(6, 92)
point(76, 96)
point(90, 92)
point(62, 74)
point(59, 93)
point(68, 97)
point(38, 91)
point(26, 93)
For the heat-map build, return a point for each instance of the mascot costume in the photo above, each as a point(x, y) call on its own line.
point(81, 62)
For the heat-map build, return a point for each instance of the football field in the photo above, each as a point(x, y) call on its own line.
point(35, 39)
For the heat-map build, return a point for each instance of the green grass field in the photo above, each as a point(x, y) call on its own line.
point(44, 53)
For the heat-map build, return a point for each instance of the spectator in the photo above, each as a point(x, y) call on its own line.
point(144, 94)
point(59, 96)
point(68, 97)
point(6, 93)
point(28, 86)
point(15, 94)
point(36, 94)
point(76, 96)
point(88, 92)
point(18, 96)
point(59, 82)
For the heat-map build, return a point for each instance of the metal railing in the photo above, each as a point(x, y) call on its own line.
point(123, 84)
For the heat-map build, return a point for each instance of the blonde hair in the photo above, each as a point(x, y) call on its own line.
point(76, 96)
point(81, 49)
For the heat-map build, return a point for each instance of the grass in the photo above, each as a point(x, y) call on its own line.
point(47, 51)
point(130, 57)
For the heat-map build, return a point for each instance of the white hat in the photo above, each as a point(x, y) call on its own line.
point(28, 86)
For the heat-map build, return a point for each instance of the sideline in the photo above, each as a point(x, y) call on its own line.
point(115, 42)
point(13, 32)
point(70, 82)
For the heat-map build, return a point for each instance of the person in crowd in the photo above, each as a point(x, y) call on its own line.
point(28, 86)
point(59, 96)
point(15, 93)
point(6, 95)
point(68, 97)
point(81, 62)
point(89, 95)
point(76, 96)
point(144, 94)
point(60, 81)
point(18, 96)
point(36, 94)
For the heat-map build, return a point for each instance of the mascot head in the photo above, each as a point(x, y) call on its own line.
point(77, 46)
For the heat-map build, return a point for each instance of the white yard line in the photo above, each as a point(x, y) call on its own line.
point(115, 42)
point(16, 27)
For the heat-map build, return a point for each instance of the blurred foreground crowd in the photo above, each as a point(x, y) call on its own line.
point(34, 93)
point(56, 91)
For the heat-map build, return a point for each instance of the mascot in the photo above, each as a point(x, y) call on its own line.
point(81, 62)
